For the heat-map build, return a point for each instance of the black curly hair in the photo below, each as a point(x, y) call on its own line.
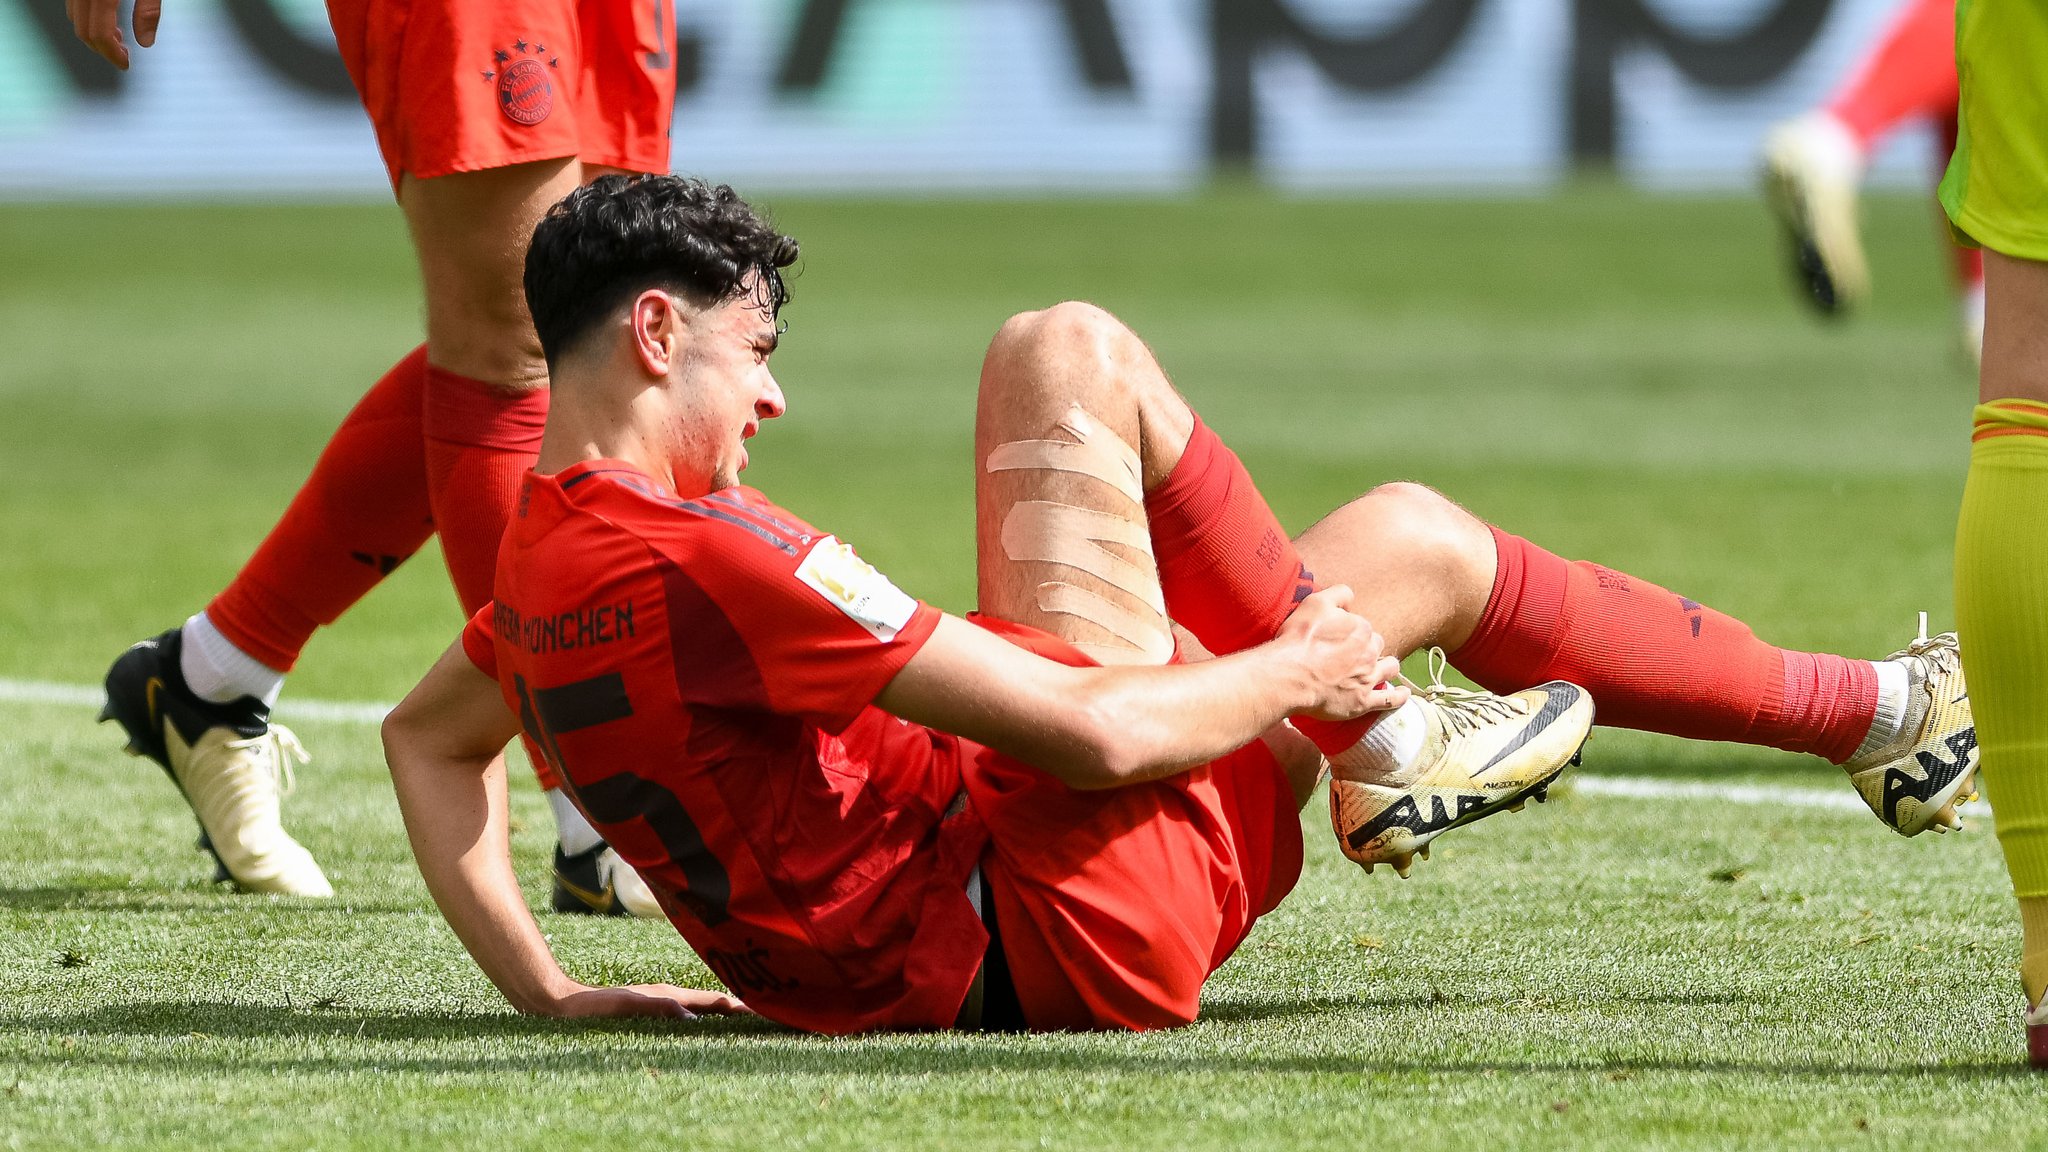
point(618, 236)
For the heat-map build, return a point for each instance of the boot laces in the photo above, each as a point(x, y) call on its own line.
point(1932, 654)
point(1463, 709)
point(277, 748)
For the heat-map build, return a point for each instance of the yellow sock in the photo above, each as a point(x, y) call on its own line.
point(2002, 615)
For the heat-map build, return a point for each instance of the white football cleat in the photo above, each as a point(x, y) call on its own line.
point(1813, 168)
point(230, 762)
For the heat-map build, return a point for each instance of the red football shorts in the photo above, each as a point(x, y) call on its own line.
point(1115, 906)
point(463, 85)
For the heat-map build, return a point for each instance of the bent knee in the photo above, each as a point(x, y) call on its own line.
point(1068, 329)
point(1421, 522)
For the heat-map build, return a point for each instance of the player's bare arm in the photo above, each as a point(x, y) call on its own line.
point(98, 23)
point(1103, 727)
point(445, 744)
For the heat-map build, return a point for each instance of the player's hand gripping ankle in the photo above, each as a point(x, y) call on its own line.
point(1345, 670)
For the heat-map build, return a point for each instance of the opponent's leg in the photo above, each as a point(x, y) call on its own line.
point(1428, 573)
point(1967, 262)
point(1993, 194)
point(2002, 585)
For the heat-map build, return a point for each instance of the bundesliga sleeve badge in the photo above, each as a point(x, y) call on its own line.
point(856, 588)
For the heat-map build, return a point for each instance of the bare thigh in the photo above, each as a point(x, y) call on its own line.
point(2015, 329)
point(471, 232)
point(1074, 421)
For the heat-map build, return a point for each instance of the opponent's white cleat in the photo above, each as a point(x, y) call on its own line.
point(1479, 754)
point(1915, 781)
point(1813, 168)
point(2036, 1021)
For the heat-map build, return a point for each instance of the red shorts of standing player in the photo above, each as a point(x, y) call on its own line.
point(1814, 164)
point(864, 813)
point(486, 112)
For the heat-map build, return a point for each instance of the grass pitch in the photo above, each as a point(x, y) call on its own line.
point(1620, 378)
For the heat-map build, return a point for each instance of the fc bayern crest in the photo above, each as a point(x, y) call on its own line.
point(526, 93)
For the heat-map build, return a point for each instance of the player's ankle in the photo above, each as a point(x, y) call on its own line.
point(1390, 747)
point(1894, 701)
point(218, 671)
point(571, 829)
point(2034, 947)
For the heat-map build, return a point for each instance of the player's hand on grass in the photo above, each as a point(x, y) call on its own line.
point(98, 23)
point(660, 1000)
point(1348, 670)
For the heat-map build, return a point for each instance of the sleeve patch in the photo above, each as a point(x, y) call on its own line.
point(855, 588)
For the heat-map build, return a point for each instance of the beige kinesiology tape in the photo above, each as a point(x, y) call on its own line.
point(1049, 532)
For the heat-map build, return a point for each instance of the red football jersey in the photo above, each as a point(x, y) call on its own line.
point(701, 673)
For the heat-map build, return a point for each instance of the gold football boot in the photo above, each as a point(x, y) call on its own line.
point(1480, 754)
point(1915, 782)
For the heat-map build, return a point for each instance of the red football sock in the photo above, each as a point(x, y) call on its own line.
point(1230, 574)
point(358, 516)
point(480, 441)
point(1911, 72)
point(1657, 661)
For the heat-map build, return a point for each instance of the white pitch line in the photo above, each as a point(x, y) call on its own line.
point(82, 696)
point(1625, 787)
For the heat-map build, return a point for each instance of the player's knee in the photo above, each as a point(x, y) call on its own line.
point(1424, 525)
point(1066, 333)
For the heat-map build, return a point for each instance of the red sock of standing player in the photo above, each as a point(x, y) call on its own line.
point(480, 441)
point(1230, 574)
point(1657, 661)
point(358, 516)
point(1909, 73)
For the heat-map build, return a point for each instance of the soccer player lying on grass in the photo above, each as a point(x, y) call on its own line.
point(864, 813)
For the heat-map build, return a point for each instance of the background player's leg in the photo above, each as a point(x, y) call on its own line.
point(361, 513)
point(486, 387)
point(1910, 72)
point(1814, 164)
point(485, 407)
point(2002, 584)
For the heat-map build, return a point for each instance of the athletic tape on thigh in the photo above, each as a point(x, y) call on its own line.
point(1049, 532)
point(1154, 642)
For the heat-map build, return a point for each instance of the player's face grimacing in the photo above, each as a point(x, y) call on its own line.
point(718, 388)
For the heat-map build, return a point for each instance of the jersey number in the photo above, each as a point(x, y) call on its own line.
point(622, 797)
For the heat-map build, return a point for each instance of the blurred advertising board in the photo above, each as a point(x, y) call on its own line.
point(248, 96)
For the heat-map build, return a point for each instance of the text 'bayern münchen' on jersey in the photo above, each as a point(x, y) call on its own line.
point(701, 673)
